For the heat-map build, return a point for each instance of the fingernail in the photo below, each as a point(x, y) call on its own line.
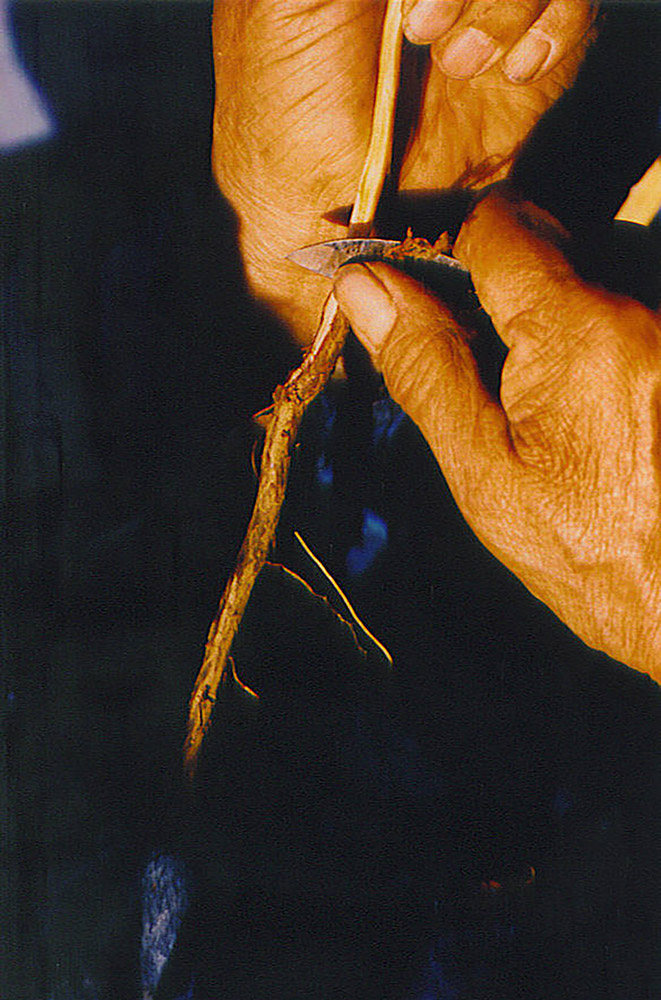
point(527, 58)
point(469, 53)
point(366, 303)
point(430, 18)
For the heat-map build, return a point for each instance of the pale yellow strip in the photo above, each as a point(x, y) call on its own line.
point(377, 161)
point(644, 199)
point(338, 590)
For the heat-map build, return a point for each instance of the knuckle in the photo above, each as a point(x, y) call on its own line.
point(567, 20)
point(509, 15)
point(406, 362)
point(546, 442)
point(419, 368)
point(621, 337)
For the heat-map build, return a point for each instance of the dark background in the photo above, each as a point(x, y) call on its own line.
point(131, 358)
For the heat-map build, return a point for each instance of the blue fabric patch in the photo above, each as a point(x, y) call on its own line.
point(324, 471)
point(387, 417)
point(373, 542)
point(436, 984)
point(165, 899)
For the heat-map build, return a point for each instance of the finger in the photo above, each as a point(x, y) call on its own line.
point(558, 29)
point(430, 371)
point(521, 276)
point(483, 33)
point(426, 21)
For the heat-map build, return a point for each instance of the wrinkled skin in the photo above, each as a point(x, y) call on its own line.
point(295, 85)
point(561, 476)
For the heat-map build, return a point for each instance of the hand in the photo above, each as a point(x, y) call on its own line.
point(561, 477)
point(295, 84)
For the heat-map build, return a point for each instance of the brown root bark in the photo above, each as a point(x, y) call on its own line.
point(290, 403)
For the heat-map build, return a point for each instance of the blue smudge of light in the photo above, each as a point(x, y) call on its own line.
point(165, 899)
point(328, 414)
point(324, 471)
point(387, 417)
point(24, 116)
point(374, 540)
point(436, 984)
point(562, 803)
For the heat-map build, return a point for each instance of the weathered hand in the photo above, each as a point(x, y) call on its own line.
point(560, 477)
point(295, 85)
point(496, 67)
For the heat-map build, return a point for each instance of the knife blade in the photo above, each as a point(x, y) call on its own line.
point(327, 258)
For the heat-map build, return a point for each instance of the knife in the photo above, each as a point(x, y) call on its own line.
point(328, 258)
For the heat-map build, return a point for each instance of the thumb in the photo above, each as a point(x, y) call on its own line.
point(430, 371)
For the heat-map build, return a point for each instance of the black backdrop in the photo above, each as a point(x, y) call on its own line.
point(131, 359)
